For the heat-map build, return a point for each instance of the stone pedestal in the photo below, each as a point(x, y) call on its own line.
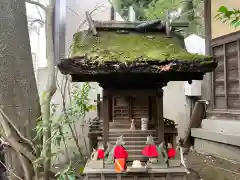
point(174, 173)
point(109, 166)
point(174, 163)
point(95, 164)
point(158, 166)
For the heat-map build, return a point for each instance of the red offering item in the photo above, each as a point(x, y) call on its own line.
point(150, 151)
point(171, 153)
point(100, 154)
point(120, 152)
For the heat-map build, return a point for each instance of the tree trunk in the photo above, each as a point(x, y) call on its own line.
point(18, 89)
point(50, 89)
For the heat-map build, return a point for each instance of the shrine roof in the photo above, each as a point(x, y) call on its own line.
point(118, 49)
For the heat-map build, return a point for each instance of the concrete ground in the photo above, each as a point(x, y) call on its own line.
point(211, 168)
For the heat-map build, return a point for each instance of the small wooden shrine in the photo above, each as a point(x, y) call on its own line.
point(132, 62)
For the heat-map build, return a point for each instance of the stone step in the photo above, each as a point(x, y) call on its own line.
point(127, 138)
point(133, 157)
point(134, 151)
point(221, 126)
point(134, 142)
point(132, 133)
point(135, 146)
point(114, 131)
point(124, 122)
point(127, 130)
point(120, 125)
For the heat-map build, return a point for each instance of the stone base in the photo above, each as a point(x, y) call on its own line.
point(175, 173)
point(96, 164)
point(141, 169)
point(218, 137)
point(174, 163)
point(217, 149)
point(157, 166)
point(109, 166)
point(179, 173)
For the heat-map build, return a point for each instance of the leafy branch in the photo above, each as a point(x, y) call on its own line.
point(226, 15)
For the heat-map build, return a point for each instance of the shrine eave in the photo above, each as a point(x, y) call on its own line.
point(83, 70)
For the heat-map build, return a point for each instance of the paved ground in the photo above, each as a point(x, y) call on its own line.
point(211, 168)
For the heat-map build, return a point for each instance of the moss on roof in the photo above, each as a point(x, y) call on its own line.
point(129, 47)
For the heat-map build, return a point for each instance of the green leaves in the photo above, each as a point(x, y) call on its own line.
point(231, 16)
point(156, 9)
point(67, 174)
point(121, 6)
point(223, 9)
point(74, 111)
point(80, 102)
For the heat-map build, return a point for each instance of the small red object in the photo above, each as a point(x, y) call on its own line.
point(150, 151)
point(120, 152)
point(171, 153)
point(100, 154)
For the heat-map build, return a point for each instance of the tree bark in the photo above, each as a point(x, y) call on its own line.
point(18, 89)
point(51, 88)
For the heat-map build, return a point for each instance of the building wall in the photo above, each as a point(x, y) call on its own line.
point(176, 106)
point(219, 28)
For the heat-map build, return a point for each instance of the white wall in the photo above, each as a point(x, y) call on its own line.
point(37, 34)
point(176, 106)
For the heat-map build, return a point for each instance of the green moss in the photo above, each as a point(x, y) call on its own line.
point(130, 47)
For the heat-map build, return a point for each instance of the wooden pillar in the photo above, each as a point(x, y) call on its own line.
point(98, 106)
point(106, 115)
point(112, 14)
point(174, 141)
point(159, 115)
point(208, 89)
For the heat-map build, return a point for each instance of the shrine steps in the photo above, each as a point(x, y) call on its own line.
point(125, 125)
point(118, 125)
point(127, 139)
point(128, 132)
point(135, 141)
